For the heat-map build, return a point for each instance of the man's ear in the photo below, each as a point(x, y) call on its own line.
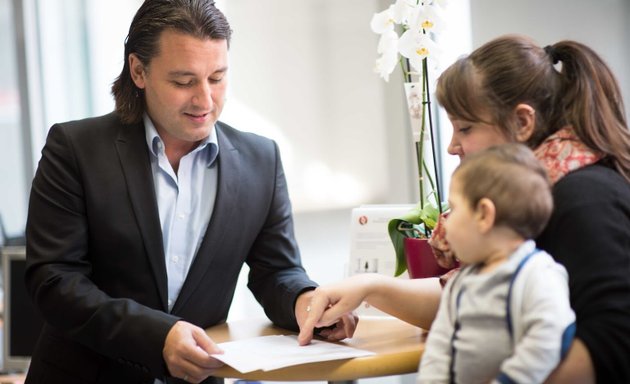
point(485, 214)
point(526, 117)
point(136, 67)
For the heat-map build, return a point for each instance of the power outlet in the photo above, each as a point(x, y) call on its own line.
point(366, 265)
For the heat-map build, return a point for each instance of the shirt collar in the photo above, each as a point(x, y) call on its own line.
point(156, 146)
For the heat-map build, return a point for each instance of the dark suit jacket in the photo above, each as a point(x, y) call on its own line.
point(95, 263)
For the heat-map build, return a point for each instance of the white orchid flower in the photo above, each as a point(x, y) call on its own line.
point(383, 21)
point(404, 11)
point(417, 46)
point(429, 19)
point(419, 20)
point(388, 48)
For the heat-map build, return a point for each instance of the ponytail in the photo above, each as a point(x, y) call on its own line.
point(591, 102)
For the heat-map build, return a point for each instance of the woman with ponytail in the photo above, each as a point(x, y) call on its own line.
point(563, 102)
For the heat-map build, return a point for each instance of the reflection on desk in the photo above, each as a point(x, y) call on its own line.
point(398, 347)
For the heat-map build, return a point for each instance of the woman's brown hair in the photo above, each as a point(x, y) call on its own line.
point(198, 18)
point(566, 83)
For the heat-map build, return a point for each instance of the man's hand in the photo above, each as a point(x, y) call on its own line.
point(331, 307)
point(187, 351)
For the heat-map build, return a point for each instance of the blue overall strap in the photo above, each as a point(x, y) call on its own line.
point(455, 329)
point(508, 314)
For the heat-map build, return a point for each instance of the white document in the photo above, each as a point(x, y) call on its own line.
point(267, 353)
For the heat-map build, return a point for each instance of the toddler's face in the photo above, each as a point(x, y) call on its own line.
point(462, 232)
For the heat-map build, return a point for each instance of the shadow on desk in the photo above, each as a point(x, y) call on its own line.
point(398, 347)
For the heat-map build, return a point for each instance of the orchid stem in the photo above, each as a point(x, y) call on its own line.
point(425, 72)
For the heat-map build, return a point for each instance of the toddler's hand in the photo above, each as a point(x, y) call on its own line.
point(441, 249)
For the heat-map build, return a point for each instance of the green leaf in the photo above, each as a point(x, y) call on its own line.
point(429, 215)
point(408, 225)
point(414, 223)
point(397, 239)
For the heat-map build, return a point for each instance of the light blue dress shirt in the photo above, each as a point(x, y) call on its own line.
point(185, 201)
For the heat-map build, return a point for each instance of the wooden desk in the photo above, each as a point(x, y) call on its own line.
point(12, 379)
point(398, 347)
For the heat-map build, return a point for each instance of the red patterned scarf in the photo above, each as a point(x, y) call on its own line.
point(563, 152)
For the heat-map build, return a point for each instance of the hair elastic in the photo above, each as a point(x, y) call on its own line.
point(551, 51)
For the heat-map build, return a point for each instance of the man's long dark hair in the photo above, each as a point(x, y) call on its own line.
point(197, 18)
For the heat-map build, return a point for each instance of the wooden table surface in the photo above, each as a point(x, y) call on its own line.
point(398, 347)
point(12, 379)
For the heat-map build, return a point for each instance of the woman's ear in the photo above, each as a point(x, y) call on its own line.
point(485, 214)
point(137, 70)
point(526, 117)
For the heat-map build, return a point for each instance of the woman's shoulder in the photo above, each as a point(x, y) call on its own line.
point(596, 172)
point(592, 184)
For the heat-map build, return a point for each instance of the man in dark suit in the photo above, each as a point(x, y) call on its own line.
point(140, 221)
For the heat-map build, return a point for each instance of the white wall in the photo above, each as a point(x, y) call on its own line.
point(106, 47)
point(301, 72)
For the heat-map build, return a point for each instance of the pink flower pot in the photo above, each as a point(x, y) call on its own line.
point(420, 259)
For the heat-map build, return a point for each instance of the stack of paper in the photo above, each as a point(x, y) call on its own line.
point(272, 352)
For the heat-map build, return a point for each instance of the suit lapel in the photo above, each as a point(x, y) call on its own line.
point(132, 150)
point(229, 165)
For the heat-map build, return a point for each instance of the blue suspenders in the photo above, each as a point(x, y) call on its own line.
point(508, 317)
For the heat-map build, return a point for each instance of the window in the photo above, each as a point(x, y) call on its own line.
point(61, 68)
point(13, 159)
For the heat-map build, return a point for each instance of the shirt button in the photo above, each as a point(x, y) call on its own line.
point(175, 259)
point(181, 216)
point(170, 302)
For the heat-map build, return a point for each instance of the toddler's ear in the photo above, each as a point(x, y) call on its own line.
point(485, 214)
